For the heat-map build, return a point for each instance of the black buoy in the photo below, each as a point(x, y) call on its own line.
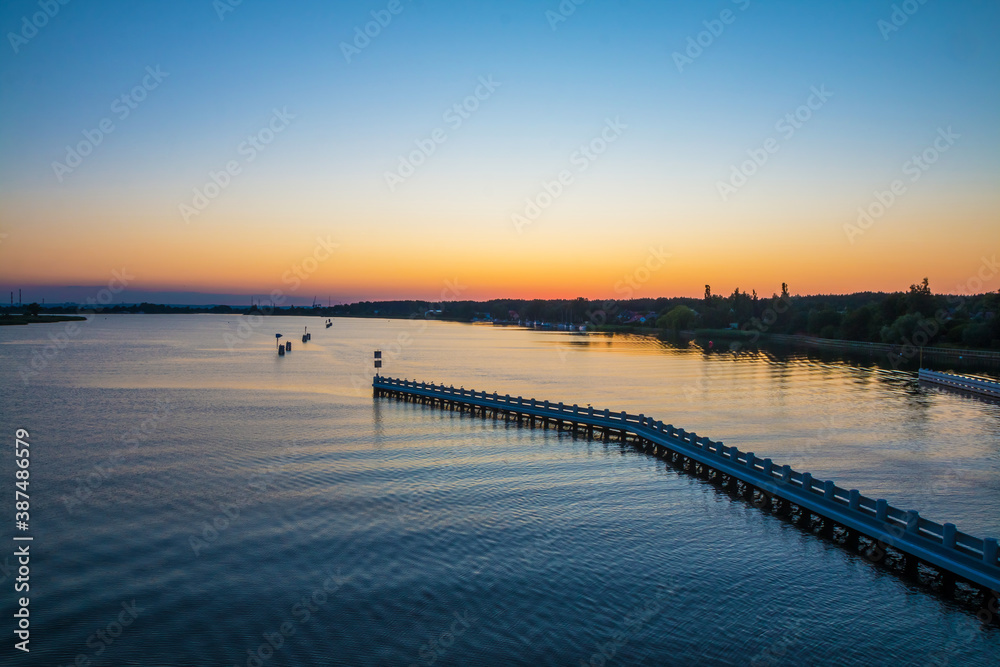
point(281, 350)
point(288, 346)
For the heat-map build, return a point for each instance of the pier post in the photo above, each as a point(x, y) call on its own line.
point(851, 539)
point(766, 500)
point(990, 551)
point(948, 535)
point(947, 583)
point(881, 510)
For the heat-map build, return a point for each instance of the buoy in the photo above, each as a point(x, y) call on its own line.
point(281, 350)
point(288, 346)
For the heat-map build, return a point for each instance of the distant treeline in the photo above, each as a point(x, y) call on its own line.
point(916, 317)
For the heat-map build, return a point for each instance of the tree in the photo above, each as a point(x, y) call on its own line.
point(784, 290)
point(976, 335)
point(911, 328)
point(893, 306)
point(677, 319)
point(32, 309)
point(823, 322)
point(741, 305)
point(861, 324)
point(920, 300)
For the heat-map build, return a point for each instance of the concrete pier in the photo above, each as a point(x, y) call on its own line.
point(954, 553)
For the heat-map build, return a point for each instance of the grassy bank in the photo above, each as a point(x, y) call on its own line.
point(9, 320)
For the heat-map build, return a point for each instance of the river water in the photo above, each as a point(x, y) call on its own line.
point(198, 500)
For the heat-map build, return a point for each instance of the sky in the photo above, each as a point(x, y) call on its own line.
point(440, 150)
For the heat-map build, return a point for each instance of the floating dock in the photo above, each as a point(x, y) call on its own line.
point(768, 485)
point(976, 385)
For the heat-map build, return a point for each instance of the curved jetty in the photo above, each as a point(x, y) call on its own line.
point(954, 553)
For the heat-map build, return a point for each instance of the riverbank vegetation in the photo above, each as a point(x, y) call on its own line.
point(916, 316)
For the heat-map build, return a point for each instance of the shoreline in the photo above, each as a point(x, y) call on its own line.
point(18, 320)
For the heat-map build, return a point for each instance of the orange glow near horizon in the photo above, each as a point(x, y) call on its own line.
point(384, 258)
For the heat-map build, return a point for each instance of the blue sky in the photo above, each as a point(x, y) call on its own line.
point(558, 86)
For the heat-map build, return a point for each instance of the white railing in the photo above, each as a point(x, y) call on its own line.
point(820, 496)
point(964, 382)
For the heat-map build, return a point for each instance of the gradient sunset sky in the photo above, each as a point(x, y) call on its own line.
point(670, 97)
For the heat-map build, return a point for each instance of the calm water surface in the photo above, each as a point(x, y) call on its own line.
point(228, 496)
